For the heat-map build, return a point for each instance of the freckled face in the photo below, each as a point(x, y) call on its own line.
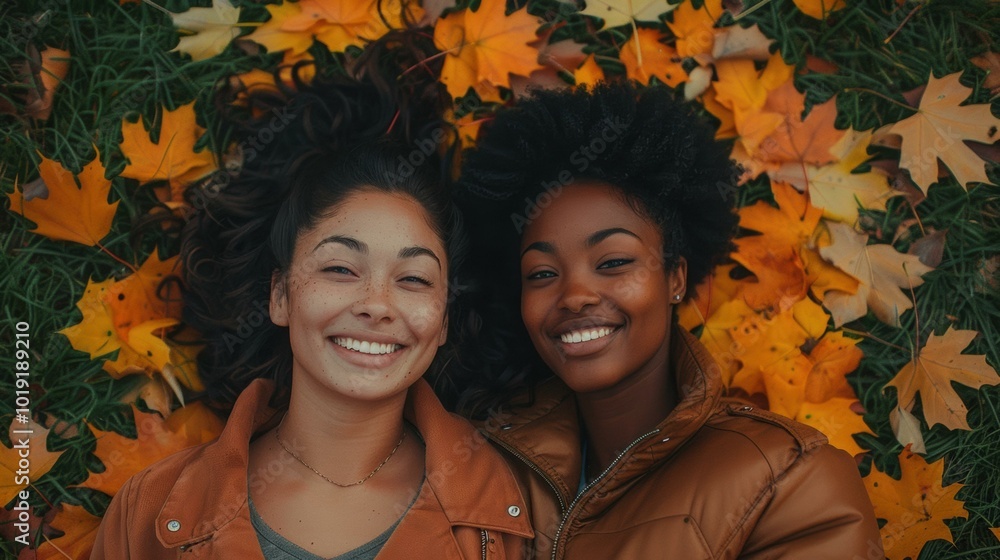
point(365, 296)
point(595, 297)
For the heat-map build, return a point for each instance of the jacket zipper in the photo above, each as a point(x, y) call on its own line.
point(485, 538)
point(514, 452)
point(566, 515)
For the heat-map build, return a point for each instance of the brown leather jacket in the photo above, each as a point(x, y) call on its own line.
point(194, 504)
point(715, 479)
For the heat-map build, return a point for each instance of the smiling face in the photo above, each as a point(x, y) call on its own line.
point(364, 298)
point(595, 297)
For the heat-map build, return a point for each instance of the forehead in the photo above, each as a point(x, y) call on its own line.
point(390, 219)
point(581, 208)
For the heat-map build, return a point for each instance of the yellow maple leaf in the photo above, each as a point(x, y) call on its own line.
point(172, 157)
point(211, 29)
point(939, 130)
point(68, 213)
point(589, 72)
point(835, 188)
point(933, 370)
point(28, 450)
point(616, 13)
point(915, 506)
point(837, 421)
point(819, 9)
point(880, 270)
point(486, 45)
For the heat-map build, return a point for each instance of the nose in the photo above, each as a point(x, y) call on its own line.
point(374, 303)
point(577, 294)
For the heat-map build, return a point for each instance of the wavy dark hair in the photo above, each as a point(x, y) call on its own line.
point(644, 142)
point(305, 149)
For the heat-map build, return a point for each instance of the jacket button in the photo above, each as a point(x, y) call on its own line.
point(514, 511)
point(173, 525)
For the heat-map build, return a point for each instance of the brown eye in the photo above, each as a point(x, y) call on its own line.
point(615, 263)
point(541, 275)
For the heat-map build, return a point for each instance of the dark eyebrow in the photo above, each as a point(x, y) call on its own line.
point(599, 236)
point(543, 246)
point(348, 242)
point(416, 251)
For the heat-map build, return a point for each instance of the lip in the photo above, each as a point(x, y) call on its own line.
point(367, 361)
point(590, 347)
point(583, 323)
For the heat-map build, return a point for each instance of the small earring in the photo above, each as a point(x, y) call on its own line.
point(677, 297)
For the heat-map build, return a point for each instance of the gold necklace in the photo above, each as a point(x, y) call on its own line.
point(277, 436)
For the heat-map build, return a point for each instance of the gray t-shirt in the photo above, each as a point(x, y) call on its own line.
point(276, 547)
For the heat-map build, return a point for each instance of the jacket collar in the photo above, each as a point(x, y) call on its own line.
point(471, 488)
point(547, 434)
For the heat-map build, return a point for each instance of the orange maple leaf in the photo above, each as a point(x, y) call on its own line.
point(915, 506)
point(41, 460)
point(940, 129)
point(819, 9)
point(833, 358)
point(798, 139)
point(127, 316)
point(695, 27)
point(81, 215)
point(710, 294)
point(644, 56)
point(172, 157)
point(932, 372)
point(486, 46)
point(157, 438)
point(79, 530)
point(589, 72)
point(339, 25)
point(881, 272)
point(272, 35)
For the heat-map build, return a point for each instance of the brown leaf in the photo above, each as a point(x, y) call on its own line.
point(990, 62)
point(930, 248)
point(931, 374)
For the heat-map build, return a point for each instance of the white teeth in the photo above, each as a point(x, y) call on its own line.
point(583, 336)
point(366, 347)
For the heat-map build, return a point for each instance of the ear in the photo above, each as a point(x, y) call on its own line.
point(677, 278)
point(443, 337)
point(278, 306)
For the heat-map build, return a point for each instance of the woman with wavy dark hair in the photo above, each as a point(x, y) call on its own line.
point(600, 211)
point(340, 231)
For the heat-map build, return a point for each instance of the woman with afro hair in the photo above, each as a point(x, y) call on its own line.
point(597, 212)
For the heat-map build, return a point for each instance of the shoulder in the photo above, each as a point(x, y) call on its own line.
point(144, 493)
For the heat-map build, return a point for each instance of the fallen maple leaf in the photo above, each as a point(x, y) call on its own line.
point(211, 29)
point(694, 28)
point(79, 530)
point(833, 358)
point(836, 188)
point(54, 67)
point(940, 129)
point(915, 506)
point(272, 34)
point(172, 157)
point(931, 373)
point(81, 215)
point(589, 72)
point(644, 56)
point(797, 139)
point(881, 271)
point(486, 45)
point(710, 294)
point(838, 422)
point(157, 438)
point(339, 25)
point(616, 13)
point(819, 9)
point(29, 438)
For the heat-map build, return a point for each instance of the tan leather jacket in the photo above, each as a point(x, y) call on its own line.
point(194, 504)
point(715, 479)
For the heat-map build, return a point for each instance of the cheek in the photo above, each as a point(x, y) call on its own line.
point(532, 312)
point(424, 315)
